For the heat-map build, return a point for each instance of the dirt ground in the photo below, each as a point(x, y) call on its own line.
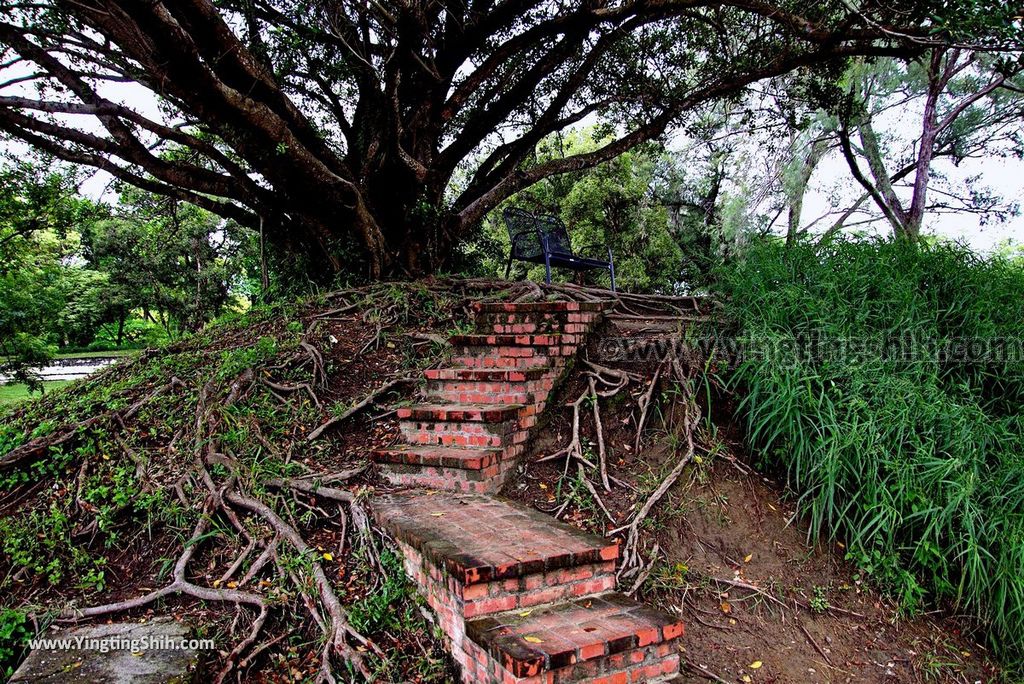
point(760, 603)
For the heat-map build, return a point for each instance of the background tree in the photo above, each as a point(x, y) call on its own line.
point(970, 105)
point(39, 209)
point(329, 124)
point(170, 259)
point(612, 204)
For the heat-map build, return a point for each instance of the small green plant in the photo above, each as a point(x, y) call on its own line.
point(15, 632)
point(819, 599)
point(377, 612)
point(670, 576)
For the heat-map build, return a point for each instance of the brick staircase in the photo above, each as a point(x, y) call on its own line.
point(521, 597)
point(480, 411)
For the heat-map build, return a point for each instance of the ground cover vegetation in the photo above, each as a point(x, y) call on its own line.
point(653, 450)
point(214, 471)
point(886, 386)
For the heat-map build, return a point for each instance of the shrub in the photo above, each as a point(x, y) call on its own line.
point(15, 632)
point(915, 457)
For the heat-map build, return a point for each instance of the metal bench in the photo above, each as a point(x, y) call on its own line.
point(541, 239)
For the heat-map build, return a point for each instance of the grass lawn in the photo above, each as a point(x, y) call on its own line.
point(98, 354)
point(11, 394)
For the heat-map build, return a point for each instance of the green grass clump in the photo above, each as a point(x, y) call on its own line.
point(893, 440)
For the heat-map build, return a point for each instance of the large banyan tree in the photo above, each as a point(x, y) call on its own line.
point(394, 126)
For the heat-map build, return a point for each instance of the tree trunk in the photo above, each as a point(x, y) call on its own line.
point(121, 316)
point(796, 186)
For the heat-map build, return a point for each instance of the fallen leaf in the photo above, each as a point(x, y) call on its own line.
point(745, 678)
point(726, 608)
point(232, 585)
point(437, 514)
point(543, 486)
point(533, 639)
point(746, 559)
point(328, 557)
point(756, 665)
point(524, 613)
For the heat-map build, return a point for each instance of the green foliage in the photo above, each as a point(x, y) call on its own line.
point(912, 457)
point(234, 361)
point(38, 212)
point(611, 204)
point(980, 22)
point(75, 274)
point(15, 632)
point(394, 609)
point(165, 257)
point(819, 601)
point(377, 612)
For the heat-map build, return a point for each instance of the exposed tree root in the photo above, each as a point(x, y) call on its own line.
point(247, 548)
point(226, 499)
point(359, 406)
point(339, 630)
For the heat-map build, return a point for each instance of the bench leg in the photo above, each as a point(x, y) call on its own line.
point(611, 272)
point(508, 266)
point(547, 268)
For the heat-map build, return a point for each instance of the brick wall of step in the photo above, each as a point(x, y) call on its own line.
point(479, 412)
point(523, 598)
point(520, 597)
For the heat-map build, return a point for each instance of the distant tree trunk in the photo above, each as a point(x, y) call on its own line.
point(264, 273)
point(795, 185)
point(121, 316)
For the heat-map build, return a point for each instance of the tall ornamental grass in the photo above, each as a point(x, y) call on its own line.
point(881, 379)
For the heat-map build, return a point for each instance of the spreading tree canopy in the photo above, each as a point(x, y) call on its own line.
point(373, 135)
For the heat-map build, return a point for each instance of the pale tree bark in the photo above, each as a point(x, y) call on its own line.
point(797, 180)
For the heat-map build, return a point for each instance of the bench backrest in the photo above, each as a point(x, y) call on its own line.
point(530, 228)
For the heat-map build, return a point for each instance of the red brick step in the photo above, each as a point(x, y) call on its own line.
point(460, 413)
point(602, 636)
point(485, 374)
point(443, 457)
point(478, 539)
point(521, 597)
point(502, 387)
point(543, 340)
point(540, 307)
